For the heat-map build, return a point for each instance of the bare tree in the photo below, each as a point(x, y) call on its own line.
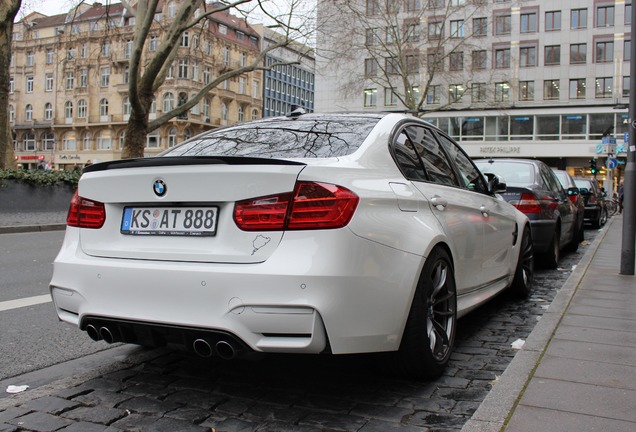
point(423, 54)
point(8, 11)
point(148, 72)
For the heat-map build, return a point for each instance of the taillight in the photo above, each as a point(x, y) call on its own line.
point(85, 213)
point(573, 198)
point(528, 204)
point(591, 199)
point(312, 205)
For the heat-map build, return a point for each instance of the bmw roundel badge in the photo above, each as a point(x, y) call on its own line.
point(159, 187)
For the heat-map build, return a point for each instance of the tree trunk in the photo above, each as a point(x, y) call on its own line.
point(136, 132)
point(8, 11)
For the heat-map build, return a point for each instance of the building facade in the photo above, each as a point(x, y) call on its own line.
point(533, 78)
point(286, 85)
point(69, 82)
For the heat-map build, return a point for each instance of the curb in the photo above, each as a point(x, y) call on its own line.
point(494, 411)
point(31, 228)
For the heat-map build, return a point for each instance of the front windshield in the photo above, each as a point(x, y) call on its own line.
point(311, 137)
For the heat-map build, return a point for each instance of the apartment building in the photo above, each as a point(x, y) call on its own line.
point(540, 79)
point(69, 82)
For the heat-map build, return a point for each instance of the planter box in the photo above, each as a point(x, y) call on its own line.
point(20, 197)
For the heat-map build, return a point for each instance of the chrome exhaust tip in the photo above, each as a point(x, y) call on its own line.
point(93, 333)
point(202, 348)
point(225, 350)
point(106, 334)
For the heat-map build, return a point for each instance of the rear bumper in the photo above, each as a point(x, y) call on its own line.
point(353, 300)
point(592, 214)
point(542, 234)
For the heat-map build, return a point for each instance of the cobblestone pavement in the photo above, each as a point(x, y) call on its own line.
point(176, 391)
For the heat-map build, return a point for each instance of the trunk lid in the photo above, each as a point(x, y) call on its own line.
point(161, 191)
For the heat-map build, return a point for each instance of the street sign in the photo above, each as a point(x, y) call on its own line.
point(611, 163)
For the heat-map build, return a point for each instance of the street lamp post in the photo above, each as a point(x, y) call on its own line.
point(629, 184)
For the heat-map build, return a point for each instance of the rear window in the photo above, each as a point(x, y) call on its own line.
point(514, 173)
point(283, 138)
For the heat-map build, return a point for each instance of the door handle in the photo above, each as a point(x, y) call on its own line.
point(439, 202)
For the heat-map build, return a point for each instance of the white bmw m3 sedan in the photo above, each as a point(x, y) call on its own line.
point(311, 233)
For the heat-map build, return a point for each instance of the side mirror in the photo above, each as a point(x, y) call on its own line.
point(496, 184)
point(573, 191)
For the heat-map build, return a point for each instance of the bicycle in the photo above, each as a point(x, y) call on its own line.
point(611, 205)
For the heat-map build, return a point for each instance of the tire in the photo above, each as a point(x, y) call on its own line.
point(521, 286)
point(573, 246)
point(603, 218)
point(552, 255)
point(429, 334)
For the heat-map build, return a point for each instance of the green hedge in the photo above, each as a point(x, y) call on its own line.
point(42, 177)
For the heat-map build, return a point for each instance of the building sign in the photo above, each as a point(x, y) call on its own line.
point(500, 149)
point(32, 157)
point(64, 157)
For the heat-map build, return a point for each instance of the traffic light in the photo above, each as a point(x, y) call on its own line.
point(593, 168)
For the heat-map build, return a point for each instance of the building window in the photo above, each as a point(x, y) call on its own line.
point(626, 86)
point(172, 137)
point(206, 109)
point(28, 112)
point(49, 56)
point(172, 9)
point(48, 141)
point(372, 37)
point(126, 75)
point(11, 113)
point(391, 34)
point(553, 21)
point(168, 102)
point(627, 50)
point(153, 140)
point(84, 50)
point(70, 53)
point(48, 111)
point(604, 87)
point(480, 26)
point(391, 65)
point(29, 84)
point(105, 49)
point(552, 55)
point(48, 82)
point(604, 52)
point(578, 53)
point(103, 107)
point(433, 95)
point(529, 22)
point(126, 106)
point(70, 80)
point(457, 29)
point(527, 56)
point(502, 24)
point(502, 92)
point(435, 62)
point(226, 55)
point(29, 141)
point(551, 89)
point(479, 59)
point(185, 39)
point(628, 14)
point(30, 58)
point(502, 58)
point(455, 92)
point(68, 142)
point(224, 112)
point(104, 76)
point(577, 88)
point(435, 29)
point(373, 7)
point(81, 109)
point(104, 141)
point(11, 85)
point(83, 78)
point(605, 16)
point(390, 98)
point(182, 69)
point(370, 67)
point(456, 61)
point(412, 5)
point(578, 19)
point(370, 97)
point(86, 141)
point(478, 92)
point(68, 109)
point(207, 74)
point(526, 90)
point(128, 48)
point(153, 42)
point(412, 33)
point(412, 64)
point(241, 114)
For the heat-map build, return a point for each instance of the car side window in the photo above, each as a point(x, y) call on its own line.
point(436, 166)
point(407, 158)
point(551, 181)
point(471, 177)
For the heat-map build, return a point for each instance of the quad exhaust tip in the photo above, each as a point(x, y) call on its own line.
point(222, 348)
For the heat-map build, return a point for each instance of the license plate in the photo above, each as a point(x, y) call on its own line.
point(170, 221)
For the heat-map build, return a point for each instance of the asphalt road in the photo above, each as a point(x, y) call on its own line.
point(32, 337)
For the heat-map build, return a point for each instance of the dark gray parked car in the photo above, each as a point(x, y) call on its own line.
point(594, 199)
point(534, 189)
